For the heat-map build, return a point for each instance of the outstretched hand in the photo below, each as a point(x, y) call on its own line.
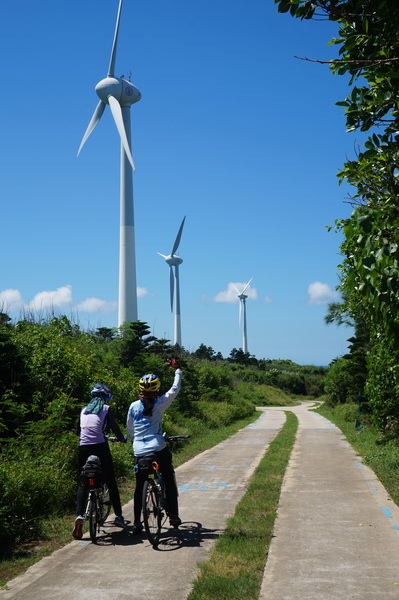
point(173, 363)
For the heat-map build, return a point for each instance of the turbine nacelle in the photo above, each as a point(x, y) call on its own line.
point(123, 91)
point(173, 261)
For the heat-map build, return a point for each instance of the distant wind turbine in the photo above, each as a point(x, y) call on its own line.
point(174, 261)
point(243, 315)
point(120, 94)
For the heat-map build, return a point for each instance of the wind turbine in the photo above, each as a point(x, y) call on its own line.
point(120, 94)
point(243, 315)
point(174, 261)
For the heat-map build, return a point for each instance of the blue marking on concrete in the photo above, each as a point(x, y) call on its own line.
point(387, 512)
point(329, 423)
point(214, 467)
point(319, 429)
point(201, 487)
point(358, 464)
point(395, 527)
point(84, 543)
point(262, 416)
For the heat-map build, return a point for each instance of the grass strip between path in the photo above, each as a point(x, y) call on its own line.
point(236, 564)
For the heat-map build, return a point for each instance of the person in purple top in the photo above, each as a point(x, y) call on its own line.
point(95, 419)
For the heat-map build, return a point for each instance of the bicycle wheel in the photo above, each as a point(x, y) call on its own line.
point(105, 503)
point(93, 518)
point(152, 513)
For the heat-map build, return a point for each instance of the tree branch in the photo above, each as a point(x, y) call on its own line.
point(341, 61)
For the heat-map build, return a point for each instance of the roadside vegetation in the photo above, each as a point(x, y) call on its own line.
point(364, 51)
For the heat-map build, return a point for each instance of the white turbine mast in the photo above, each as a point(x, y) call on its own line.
point(120, 94)
point(174, 261)
point(243, 314)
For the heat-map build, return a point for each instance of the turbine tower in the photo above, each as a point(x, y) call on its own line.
point(174, 261)
point(243, 315)
point(120, 94)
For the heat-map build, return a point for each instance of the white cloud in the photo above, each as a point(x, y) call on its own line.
point(230, 295)
point(93, 305)
point(267, 300)
point(62, 296)
point(141, 292)
point(11, 300)
point(321, 293)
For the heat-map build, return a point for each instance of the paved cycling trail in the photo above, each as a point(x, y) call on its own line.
point(336, 535)
point(126, 567)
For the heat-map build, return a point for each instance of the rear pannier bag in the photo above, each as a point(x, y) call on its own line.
point(144, 464)
point(92, 474)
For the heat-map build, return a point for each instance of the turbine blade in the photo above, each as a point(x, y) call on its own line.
point(111, 68)
point(93, 122)
point(238, 293)
point(178, 237)
point(117, 114)
point(247, 285)
point(163, 255)
point(172, 287)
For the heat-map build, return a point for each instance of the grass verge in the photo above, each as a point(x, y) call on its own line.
point(58, 530)
point(236, 564)
point(380, 453)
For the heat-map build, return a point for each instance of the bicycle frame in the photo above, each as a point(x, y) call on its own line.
point(97, 508)
point(155, 510)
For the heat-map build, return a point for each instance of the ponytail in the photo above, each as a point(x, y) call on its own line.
point(148, 400)
point(148, 406)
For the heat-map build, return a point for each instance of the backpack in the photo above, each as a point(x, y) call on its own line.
point(92, 475)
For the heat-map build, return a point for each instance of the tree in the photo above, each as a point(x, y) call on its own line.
point(241, 357)
point(205, 352)
point(105, 334)
point(368, 51)
point(135, 338)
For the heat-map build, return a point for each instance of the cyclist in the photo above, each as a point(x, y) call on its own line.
point(144, 427)
point(94, 419)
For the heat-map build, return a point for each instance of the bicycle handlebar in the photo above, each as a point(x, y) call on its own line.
point(174, 438)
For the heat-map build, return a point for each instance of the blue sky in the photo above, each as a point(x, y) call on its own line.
point(232, 131)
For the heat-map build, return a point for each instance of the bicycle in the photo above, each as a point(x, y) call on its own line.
point(98, 502)
point(155, 510)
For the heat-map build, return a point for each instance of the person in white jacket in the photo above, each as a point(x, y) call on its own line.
point(144, 427)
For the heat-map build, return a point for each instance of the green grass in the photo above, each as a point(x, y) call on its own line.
point(236, 564)
point(380, 453)
point(57, 531)
point(271, 396)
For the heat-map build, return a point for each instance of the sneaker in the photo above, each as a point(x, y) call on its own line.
point(119, 521)
point(77, 532)
point(137, 527)
point(175, 522)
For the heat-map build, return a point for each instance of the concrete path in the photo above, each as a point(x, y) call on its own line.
point(337, 530)
point(123, 566)
point(336, 535)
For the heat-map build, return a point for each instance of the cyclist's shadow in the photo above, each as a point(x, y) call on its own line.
point(113, 536)
point(190, 533)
